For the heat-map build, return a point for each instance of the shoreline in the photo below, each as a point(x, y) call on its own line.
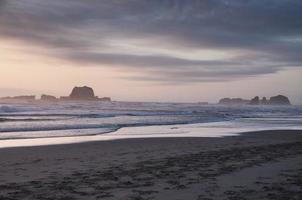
point(157, 168)
point(238, 134)
point(196, 130)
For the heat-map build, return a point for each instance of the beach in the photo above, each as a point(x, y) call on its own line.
point(150, 100)
point(255, 165)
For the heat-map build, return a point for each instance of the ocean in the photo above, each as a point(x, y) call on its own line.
point(114, 120)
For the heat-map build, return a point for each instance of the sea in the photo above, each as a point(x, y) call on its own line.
point(41, 123)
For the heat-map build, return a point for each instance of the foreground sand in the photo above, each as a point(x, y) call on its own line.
point(263, 165)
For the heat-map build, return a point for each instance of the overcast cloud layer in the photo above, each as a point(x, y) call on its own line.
point(155, 37)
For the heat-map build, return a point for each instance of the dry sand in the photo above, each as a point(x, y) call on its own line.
point(262, 165)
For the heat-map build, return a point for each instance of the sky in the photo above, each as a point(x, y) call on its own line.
point(159, 50)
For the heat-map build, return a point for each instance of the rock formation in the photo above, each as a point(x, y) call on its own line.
point(233, 101)
point(264, 101)
point(279, 100)
point(45, 97)
point(78, 94)
point(82, 93)
point(255, 101)
point(275, 100)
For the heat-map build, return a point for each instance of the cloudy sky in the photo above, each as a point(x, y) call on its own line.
point(159, 50)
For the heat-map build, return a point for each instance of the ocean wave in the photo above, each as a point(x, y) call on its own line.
point(57, 127)
point(18, 108)
point(24, 119)
point(52, 128)
point(55, 133)
point(45, 119)
point(9, 109)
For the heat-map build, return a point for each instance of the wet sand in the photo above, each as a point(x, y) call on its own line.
point(259, 165)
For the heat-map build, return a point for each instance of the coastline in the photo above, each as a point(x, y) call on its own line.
point(263, 164)
point(194, 130)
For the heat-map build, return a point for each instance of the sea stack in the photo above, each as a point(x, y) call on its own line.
point(264, 101)
point(279, 100)
point(255, 101)
point(233, 101)
point(82, 93)
point(45, 97)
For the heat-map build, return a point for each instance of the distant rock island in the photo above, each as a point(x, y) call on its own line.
point(45, 97)
point(275, 100)
point(77, 94)
point(233, 101)
point(279, 100)
point(83, 94)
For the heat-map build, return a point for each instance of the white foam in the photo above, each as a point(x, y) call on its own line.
point(215, 129)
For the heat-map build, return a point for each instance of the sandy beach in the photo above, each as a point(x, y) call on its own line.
point(259, 165)
point(150, 100)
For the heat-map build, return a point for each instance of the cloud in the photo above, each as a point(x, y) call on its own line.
point(261, 37)
point(173, 69)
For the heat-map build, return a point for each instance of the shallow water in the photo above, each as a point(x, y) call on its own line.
point(37, 124)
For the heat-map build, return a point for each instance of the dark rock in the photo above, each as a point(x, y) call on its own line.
point(225, 101)
point(233, 101)
point(279, 100)
point(82, 93)
point(264, 101)
point(45, 97)
point(255, 101)
point(78, 93)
